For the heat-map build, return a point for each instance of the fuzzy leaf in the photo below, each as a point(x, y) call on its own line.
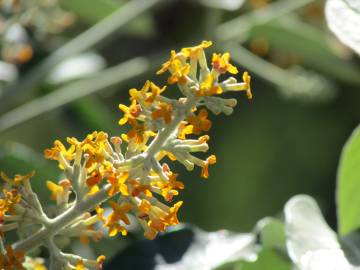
point(343, 18)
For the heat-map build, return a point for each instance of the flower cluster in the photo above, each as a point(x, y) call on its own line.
point(128, 174)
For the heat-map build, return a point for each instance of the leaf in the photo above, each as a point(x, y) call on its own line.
point(271, 232)
point(223, 4)
point(185, 248)
point(348, 185)
point(312, 245)
point(267, 259)
point(351, 246)
point(77, 67)
point(343, 18)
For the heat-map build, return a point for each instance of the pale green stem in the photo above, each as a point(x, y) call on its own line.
point(237, 28)
point(69, 93)
point(91, 38)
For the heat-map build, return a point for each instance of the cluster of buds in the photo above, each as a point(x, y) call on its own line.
point(24, 21)
point(128, 174)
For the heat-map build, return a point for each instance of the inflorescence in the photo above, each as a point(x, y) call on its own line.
point(125, 173)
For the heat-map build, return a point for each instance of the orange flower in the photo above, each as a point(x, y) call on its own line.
point(131, 112)
point(54, 152)
point(8, 202)
point(58, 191)
point(194, 52)
point(119, 213)
point(221, 63)
point(18, 179)
point(246, 79)
point(200, 122)
point(205, 170)
point(207, 87)
point(118, 184)
point(164, 111)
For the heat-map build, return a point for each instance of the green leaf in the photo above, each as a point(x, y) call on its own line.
point(343, 18)
point(271, 232)
point(267, 259)
point(348, 186)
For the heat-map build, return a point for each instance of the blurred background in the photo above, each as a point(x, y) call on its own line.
point(66, 65)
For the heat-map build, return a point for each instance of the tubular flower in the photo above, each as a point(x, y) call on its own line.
point(18, 179)
point(128, 174)
point(221, 63)
point(194, 52)
point(8, 201)
point(131, 112)
point(205, 170)
point(200, 122)
point(164, 111)
point(118, 214)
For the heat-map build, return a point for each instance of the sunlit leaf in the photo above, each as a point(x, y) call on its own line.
point(186, 247)
point(312, 245)
point(76, 67)
point(348, 204)
point(343, 18)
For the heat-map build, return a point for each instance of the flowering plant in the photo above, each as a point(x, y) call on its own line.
point(130, 177)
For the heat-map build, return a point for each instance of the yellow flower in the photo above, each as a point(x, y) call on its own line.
point(158, 217)
point(246, 79)
point(184, 129)
point(221, 63)
point(8, 202)
point(194, 52)
point(119, 213)
point(118, 184)
point(164, 111)
point(53, 153)
point(178, 72)
point(131, 112)
point(207, 87)
point(177, 67)
point(200, 122)
point(136, 188)
point(18, 179)
point(100, 261)
point(168, 188)
point(58, 191)
point(155, 92)
point(139, 95)
point(80, 265)
point(165, 67)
